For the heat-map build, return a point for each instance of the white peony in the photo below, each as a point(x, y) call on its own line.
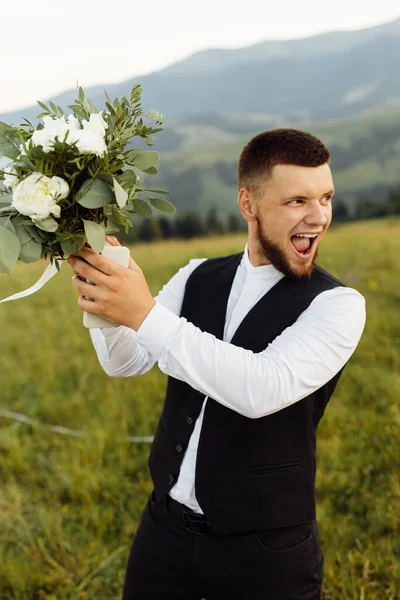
point(37, 196)
point(7, 166)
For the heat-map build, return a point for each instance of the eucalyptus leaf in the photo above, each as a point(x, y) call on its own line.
point(6, 222)
point(163, 205)
point(9, 141)
point(151, 171)
point(30, 251)
point(94, 193)
point(71, 246)
point(117, 217)
point(5, 203)
point(10, 247)
point(157, 191)
point(128, 175)
point(95, 234)
point(146, 160)
point(142, 208)
point(22, 232)
point(130, 155)
point(5, 209)
point(6, 199)
point(35, 233)
point(112, 227)
point(121, 195)
point(107, 177)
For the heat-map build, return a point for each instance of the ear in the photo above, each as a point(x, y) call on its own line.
point(247, 205)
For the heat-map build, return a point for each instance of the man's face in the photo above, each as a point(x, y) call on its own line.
point(292, 213)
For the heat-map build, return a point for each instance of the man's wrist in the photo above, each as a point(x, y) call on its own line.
point(138, 319)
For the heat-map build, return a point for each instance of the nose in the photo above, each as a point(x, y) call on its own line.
point(317, 214)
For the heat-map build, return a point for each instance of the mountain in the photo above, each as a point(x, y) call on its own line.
point(334, 75)
point(343, 87)
point(365, 159)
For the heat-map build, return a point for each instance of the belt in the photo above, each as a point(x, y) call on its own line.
point(193, 522)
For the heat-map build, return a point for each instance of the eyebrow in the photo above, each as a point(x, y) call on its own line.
point(300, 197)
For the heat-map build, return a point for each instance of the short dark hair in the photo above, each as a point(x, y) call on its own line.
point(278, 147)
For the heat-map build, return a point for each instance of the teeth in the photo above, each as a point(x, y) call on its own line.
point(307, 235)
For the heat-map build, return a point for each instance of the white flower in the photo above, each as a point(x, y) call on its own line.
point(90, 142)
point(96, 123)
point(37, 196)
point(73, 125)
point(53, 128)
point(8, 168)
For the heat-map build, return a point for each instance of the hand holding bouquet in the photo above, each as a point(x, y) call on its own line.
point(74, 178)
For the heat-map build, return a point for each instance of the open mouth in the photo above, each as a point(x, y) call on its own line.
point(303, 244)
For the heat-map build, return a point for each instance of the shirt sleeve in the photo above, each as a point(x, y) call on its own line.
point(118, 350)
point(298, 362)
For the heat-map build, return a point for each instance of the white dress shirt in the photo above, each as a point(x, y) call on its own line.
point(299, 361)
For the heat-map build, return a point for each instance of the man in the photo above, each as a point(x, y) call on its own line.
point(254, 345)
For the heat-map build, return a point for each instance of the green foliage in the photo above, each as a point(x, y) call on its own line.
point(10, 247)
point(94, 193)
point(101, 174)
point(95, 235)
point(9, 141)
point(70, 505)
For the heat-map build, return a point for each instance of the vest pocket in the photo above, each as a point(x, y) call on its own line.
point(272, 469)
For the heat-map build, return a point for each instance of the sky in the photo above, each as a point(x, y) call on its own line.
point(47, 46)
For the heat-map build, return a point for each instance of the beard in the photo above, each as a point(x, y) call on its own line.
point(280, 259)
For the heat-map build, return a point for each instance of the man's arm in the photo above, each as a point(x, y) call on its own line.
point(117, 348)
point(298, 362)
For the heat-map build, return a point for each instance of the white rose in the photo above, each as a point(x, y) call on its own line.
point(7, 166)
point(96, 124)
point(37, 196)
point(90, 142)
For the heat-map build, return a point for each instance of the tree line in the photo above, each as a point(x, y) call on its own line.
point(183, 226)
point(368, 207)
point(192, 224)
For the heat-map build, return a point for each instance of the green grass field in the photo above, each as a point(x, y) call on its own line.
point(69, 506)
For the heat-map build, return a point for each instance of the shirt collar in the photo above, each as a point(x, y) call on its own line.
point(263, 271)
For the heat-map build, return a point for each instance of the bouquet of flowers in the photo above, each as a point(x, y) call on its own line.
point(74, 178)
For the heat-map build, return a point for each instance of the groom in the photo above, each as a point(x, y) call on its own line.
point(253, 345)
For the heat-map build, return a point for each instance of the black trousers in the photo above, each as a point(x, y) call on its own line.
point(175, 556)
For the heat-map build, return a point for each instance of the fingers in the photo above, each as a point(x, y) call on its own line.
point(88, 290)
point(87, 271)
point(88, 305)
point(112, 240)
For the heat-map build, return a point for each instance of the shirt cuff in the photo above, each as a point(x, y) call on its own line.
point(156, 328)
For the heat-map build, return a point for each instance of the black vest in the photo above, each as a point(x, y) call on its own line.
point(250, 473)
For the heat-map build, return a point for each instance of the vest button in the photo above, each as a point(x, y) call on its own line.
point(171, 478)
point(179, 447)
point(189, 420)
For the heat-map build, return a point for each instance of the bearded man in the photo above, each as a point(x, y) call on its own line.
point(253, 345)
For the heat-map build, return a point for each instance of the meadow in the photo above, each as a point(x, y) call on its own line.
point(71, 499)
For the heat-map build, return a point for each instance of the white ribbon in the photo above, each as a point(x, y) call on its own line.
point(50, 271)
